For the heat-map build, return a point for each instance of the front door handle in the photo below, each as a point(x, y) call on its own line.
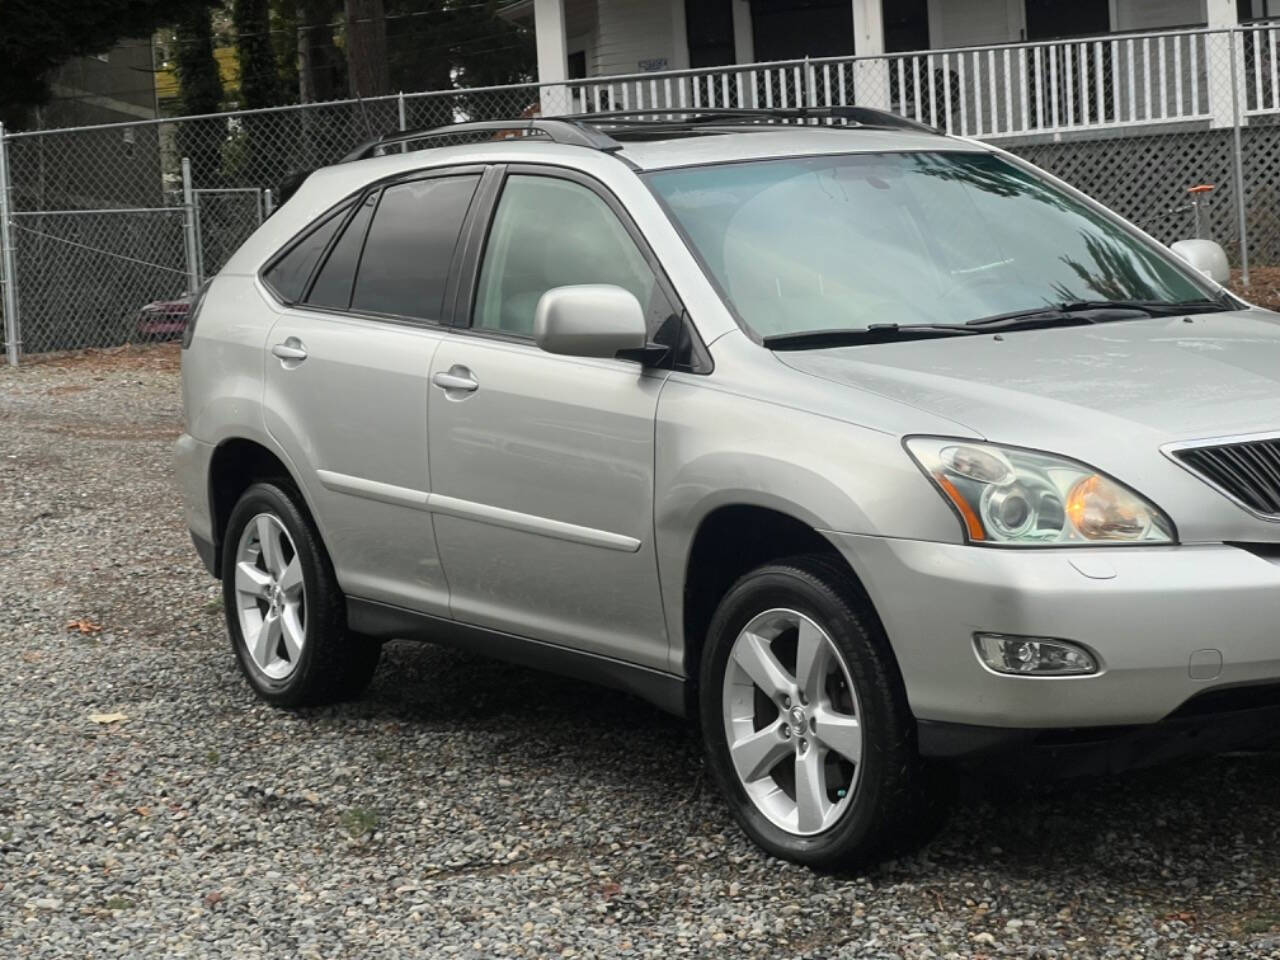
point(457, 379)
point(291, 349)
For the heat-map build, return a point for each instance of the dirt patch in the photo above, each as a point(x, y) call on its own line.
point(160, 357)
point(1263, 289)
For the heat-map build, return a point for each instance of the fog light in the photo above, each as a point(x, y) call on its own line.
point(1033, 656)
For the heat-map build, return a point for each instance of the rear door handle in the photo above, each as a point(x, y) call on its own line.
point(291, 349)
point(457, 379)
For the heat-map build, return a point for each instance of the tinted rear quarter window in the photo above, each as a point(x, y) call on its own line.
point(404, 268)
point(288, 275)
point(333, 284)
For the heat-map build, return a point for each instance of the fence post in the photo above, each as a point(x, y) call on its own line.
point(189, 227)
point(1236, 122)
point(8, 271)
point(268, 202)
point(404, 147)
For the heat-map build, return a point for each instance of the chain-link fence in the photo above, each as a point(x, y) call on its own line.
point(223, 217)
point(98, 223)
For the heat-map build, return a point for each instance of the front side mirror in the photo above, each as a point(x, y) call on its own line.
point(589, 320)
point(1206, 256)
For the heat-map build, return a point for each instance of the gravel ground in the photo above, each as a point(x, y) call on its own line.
point(467, 808)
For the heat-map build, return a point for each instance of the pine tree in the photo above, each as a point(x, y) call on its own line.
point(367, 68)
point(199, 92)
point(259, 82)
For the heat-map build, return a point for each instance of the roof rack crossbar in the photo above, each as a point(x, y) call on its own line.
point(566, 130)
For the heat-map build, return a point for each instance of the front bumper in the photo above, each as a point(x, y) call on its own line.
point(1158, 618)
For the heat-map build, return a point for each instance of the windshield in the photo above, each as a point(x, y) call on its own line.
point(846, 241)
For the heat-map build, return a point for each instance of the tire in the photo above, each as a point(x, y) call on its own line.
point(831, 812)
point(307, 656)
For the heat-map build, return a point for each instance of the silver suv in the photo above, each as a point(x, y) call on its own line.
point(864, 447)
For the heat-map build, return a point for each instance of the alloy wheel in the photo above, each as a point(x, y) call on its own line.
point(791, 722)
point(270, 596)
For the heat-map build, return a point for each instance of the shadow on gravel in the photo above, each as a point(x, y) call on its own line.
point(1170, 830)
point(440, 685)
point(1170, 827)
point(527, 720)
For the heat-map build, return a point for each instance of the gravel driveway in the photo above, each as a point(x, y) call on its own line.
point(464, 807)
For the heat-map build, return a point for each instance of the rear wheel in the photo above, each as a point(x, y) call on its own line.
point(285, 612)
point(807, 729)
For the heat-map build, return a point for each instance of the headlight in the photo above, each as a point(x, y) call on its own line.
point(1014, 497)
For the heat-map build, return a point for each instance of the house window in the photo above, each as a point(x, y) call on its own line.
point(794, 29)
point(578, 65)
point(1052, 19)
point(710, 31)
point(1157, 14)
point(906, 26)
point(1258, 9)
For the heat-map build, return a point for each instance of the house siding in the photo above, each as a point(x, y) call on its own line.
point(630, 33)
point(967, 23)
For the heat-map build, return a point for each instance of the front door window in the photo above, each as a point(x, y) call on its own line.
point(548, 233)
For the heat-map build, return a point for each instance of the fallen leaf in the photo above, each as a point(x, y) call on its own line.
point(31, 656)
point(107, 717)
point(213, 899)
point(142, 811)
point(84, 625)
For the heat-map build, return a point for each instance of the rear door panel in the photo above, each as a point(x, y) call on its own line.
point(352, 418)
point(352, 415)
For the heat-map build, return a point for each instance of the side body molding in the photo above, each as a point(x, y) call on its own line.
point(483, 513)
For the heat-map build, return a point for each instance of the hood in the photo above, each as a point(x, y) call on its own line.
point(1072, 388)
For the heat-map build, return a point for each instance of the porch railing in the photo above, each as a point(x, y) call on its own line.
point(1261, 79)
point(1181, 76)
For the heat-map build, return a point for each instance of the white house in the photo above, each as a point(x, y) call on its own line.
point(977, 67)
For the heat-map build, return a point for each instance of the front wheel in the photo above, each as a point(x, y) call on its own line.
point(285, 612)
point(807, 729)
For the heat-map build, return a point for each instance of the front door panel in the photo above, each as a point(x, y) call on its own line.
point(542, 490)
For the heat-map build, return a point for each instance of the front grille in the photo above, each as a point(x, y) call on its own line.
point(1247, 471)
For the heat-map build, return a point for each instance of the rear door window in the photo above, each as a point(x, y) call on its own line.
point(404, 267)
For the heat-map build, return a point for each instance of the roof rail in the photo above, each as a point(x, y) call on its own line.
point(589, 129)
point(568, 130)
point(699, 116)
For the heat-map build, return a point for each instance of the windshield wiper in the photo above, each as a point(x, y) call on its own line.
point(1073, 313)
point(1154, 308)
point(875, 333)
point(895, 332)
point(1094, 311)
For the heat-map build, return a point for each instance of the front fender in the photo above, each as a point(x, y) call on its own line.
point(717, 448)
